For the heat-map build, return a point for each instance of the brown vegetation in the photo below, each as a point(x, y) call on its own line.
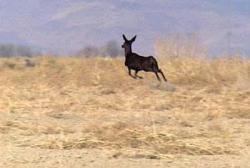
point(91, 103)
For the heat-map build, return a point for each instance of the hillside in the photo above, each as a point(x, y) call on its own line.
point(64, 27)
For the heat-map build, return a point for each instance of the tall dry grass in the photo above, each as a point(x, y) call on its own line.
point(178, 46)
point(75, 103)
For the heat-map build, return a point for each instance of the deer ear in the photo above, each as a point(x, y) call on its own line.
point(133, 39)
point(124, 37)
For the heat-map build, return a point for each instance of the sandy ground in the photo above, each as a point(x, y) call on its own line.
point(61, 114)
point(27, 157)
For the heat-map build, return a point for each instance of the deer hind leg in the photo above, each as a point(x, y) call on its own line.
point(155, 69)
point(159, 79)
point(163, 75)
point(137, 76)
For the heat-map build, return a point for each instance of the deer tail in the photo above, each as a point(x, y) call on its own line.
point(154, 64)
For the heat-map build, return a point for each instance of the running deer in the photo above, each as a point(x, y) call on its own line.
point(139, 63)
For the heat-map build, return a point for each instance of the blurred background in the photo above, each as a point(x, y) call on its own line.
point(92, 27)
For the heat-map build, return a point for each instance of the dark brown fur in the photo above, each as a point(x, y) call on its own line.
point(138, 63)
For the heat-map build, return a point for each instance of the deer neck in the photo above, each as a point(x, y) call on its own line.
point(128, 51)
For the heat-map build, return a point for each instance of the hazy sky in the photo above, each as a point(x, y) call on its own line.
point(65, 26)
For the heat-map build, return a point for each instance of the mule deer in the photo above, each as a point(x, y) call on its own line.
point(139, 63)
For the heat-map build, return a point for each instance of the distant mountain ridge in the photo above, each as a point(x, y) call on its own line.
point(65, 26)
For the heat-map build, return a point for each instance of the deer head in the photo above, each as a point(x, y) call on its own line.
point(127, 45)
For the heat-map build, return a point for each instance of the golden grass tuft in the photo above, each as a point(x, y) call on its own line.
point(75, 103)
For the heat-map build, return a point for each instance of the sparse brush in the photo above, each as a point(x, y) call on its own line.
point(75, 103)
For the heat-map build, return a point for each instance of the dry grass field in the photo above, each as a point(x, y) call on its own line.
point(87, 112)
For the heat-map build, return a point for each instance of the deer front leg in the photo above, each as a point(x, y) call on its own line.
point(129, 72)
point(137, 76)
